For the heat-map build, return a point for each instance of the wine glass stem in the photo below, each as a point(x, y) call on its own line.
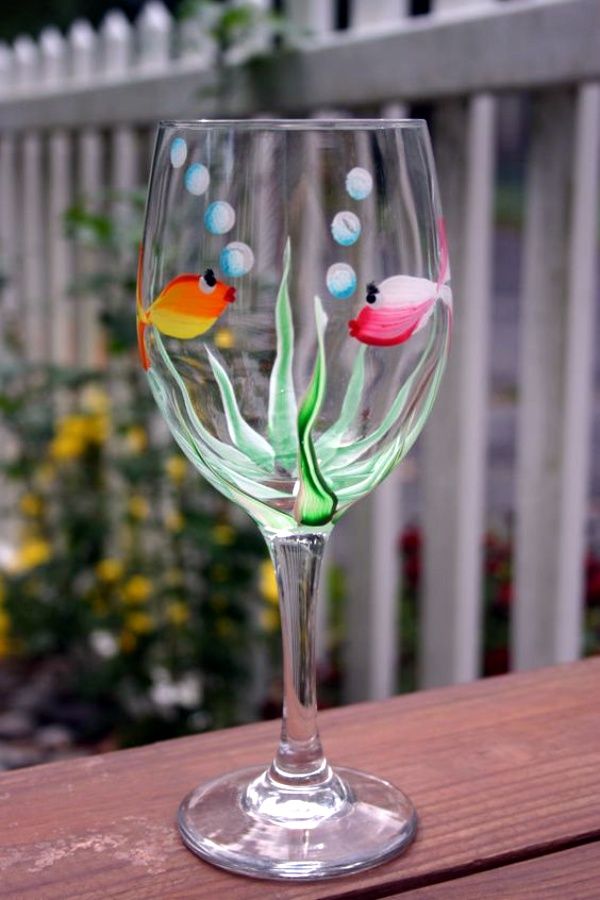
point(297, 559)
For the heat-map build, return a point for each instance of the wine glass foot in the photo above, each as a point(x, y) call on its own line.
point(240, 823)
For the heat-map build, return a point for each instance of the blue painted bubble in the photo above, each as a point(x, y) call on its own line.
point(236, 259)
point(341, 280)
point(359, 183)
point(219, 217)
point(197, 179)
point(346, 228)
point(178, 152)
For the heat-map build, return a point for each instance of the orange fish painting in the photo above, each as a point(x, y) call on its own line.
point(188, 306)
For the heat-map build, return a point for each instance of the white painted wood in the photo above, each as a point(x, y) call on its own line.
point(9, 218)
point(32, 257)
point(116, 38)
point(26, 60)
point(316, 17)
point(59, 261)
point(53, 58)
point(6, 69)
point(195, 44)
point(154, 27)
point(455, 437)
point(83, 46)
point(564, 33)
point(578, 411)
point(556, 354)
point(367, 14)
point(540, 385)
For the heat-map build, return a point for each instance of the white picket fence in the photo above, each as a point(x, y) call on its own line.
point(77, 115)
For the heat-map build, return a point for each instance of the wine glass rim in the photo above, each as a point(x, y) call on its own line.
point(307, 124)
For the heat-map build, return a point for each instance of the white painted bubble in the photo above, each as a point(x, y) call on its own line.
point(236, 259)
point(197, 179)
point(346, 228)
point(359, 183)
point(341, 280)
point(178, 152)
point(219, 217)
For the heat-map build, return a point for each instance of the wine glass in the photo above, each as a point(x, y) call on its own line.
point(293, 314)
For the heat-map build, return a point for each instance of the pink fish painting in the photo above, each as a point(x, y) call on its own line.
point(402, 305)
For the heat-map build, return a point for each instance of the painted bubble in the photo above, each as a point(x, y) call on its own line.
point(359, 183)
point(236, 259)
point(346, 228)
point(196, 179)
point(341, 280)
point(219, 217)
point(178, 152)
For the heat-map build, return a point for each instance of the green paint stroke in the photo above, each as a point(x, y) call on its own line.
point(282, 397)
point(316, 502)
point(328, 442)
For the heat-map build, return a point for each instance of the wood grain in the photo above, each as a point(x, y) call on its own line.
point(570, 875)
point(500, 770)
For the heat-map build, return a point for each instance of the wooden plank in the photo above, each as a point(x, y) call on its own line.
point(423, 57)
point(32, 256)
point(455, 438)
point(536, 628)
point(573, 873)
point(502, 769)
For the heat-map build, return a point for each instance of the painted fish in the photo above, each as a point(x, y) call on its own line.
point(402, 305)
point(188, 306)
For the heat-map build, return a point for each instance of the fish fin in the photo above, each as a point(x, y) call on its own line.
point(141, 333)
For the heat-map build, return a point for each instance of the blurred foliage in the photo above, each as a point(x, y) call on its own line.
point(127, 565)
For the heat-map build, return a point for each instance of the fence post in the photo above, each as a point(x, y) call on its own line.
point(556, 360)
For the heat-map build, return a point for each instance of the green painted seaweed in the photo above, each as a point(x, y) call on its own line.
point(316, 502)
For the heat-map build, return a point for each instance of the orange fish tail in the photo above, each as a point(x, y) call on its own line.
point(141, 334)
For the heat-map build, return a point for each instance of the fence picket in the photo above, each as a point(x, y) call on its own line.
point(316, 17)
point(455, 438)
point(367, 14)
point(154, 27)
point(556, 354)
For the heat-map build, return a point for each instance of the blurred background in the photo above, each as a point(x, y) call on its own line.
point(137, 604)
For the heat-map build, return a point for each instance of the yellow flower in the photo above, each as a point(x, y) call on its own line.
point(95, 400)
point(138, 507)
point(136, 589)
point(269, 619)
point(268, 582)
point(33, 552)
point(224, 339)
point(97, 429)
point(109, 570)
point(65, 447)
point(174, 522)
point(139, 623)
point(127, 641)
point(31, 504)
point(176, 468)
point(45, 474)
point(224, 535)
point(177, 613)
point(136, 439)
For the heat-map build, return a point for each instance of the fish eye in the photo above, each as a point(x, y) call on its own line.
point(371, 297)
point(207, 282)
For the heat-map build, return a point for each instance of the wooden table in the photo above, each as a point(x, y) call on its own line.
point(505, 775)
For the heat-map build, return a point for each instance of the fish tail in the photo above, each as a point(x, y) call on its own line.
point(141, 334)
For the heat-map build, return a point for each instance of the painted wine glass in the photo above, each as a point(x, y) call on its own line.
point(293, 315)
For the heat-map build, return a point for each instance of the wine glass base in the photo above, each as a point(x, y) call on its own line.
point(363, 822)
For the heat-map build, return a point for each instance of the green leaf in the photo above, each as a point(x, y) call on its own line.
point(243, 436)
point(316, 502)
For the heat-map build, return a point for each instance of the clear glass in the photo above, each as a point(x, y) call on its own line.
point(294, 314)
